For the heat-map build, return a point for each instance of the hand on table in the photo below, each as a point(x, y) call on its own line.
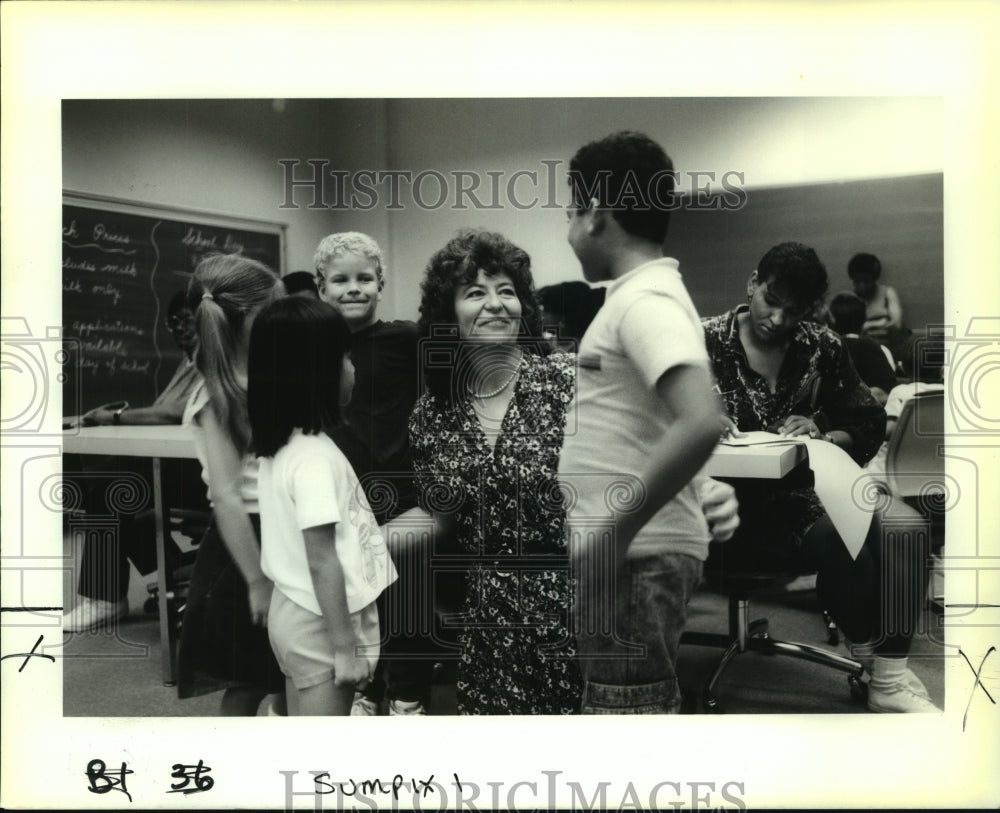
point(730, 429)
point(98, 416)
point(796, 425)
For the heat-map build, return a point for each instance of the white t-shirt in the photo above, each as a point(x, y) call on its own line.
point(647, 326)
point(248, 475)
point(310, 483)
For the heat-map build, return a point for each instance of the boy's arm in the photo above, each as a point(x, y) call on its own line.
point(328, 583)
point(685, 394)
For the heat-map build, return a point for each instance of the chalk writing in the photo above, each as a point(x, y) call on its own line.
point(108, 290)
point(188, 774)
point(104, 781)
point(195, 239)
point(72, 286)
point(100, 326)
point(102, 233)
point(78, 265)
point(119, 270)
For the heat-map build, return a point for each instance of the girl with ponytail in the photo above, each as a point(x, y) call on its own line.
point(223, 643)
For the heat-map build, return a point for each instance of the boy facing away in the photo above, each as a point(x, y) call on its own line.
point(647, 421)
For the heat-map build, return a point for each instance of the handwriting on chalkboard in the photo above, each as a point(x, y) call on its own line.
point(196, 238)
point(122, 265)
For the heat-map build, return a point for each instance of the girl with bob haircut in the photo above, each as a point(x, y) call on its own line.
point(223, 643)
point(321, 545)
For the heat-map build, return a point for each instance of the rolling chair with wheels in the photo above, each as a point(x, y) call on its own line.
point(736, 578)
point(746, 635)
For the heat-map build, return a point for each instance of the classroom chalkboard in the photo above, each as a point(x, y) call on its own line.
point(122, 262)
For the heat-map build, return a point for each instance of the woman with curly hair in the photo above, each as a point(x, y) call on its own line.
point(485, 439)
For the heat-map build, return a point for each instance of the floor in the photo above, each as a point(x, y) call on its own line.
point(116, 672)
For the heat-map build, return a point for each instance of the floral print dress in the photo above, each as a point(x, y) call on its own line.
point(517, 656)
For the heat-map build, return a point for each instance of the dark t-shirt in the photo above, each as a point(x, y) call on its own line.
point(870, 362)
point(375, 436)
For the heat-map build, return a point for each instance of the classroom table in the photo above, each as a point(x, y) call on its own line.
point(157, 442)
point(760, 462)
point(154, 443)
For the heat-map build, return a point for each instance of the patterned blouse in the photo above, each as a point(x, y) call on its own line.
point(817, 380)
point(517, 655)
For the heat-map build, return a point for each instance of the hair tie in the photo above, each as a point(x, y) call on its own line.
point(207, 295)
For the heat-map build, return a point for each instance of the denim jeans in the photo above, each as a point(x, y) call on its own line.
point(629, 667)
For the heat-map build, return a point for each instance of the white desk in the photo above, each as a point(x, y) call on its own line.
point(153, 442)
point(763, 462)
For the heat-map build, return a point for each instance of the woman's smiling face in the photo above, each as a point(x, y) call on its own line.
point(487, 309)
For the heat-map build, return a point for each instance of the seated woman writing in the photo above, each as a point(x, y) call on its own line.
point(485, 439)
point(780, 373)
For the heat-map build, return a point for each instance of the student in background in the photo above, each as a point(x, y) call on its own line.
point(872, 360)
point(781, 373)
point(301, 283)
point(321, 545)
point(102, 590)
point(883, 310)
point(646, 416)
point(373, 436)
point(223, 643)
point(568, 308)
point(928, 377)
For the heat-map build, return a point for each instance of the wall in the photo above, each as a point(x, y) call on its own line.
point(223, 155)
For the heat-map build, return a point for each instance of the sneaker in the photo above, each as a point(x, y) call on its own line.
point(406, 708)
point(899, 698)
point(90, 613)
point(910, 680)
point(363, 707)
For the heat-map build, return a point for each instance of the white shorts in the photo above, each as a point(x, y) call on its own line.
point(301, 642)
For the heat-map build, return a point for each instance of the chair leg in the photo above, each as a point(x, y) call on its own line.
point(746, 635)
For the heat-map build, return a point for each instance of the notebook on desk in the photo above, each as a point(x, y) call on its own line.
point(761, 439)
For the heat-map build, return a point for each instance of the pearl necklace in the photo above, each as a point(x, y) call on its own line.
point(482, 396)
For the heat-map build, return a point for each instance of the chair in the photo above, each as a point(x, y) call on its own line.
point(914, 465)
point(745, 635)
point(739, 581)
point(915, 474)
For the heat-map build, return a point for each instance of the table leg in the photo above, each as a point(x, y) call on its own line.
point(167, 635)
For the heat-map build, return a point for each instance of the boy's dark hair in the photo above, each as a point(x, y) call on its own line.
point(297, 348)
point(178, 302)
point(457, 264)
point(794, 272)
point(629, 174)
point(864, 265)
point(299, 281)
point(574, 303)
point(848, 311)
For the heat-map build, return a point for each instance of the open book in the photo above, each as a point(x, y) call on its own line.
point(761, 439)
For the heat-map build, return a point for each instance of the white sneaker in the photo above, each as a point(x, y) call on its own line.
point(910, 680)
point(406, 708)
point(90, 612)
point(899, 698)
point(363, 707)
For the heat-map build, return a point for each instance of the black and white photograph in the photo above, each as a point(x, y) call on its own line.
point(565, 397)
